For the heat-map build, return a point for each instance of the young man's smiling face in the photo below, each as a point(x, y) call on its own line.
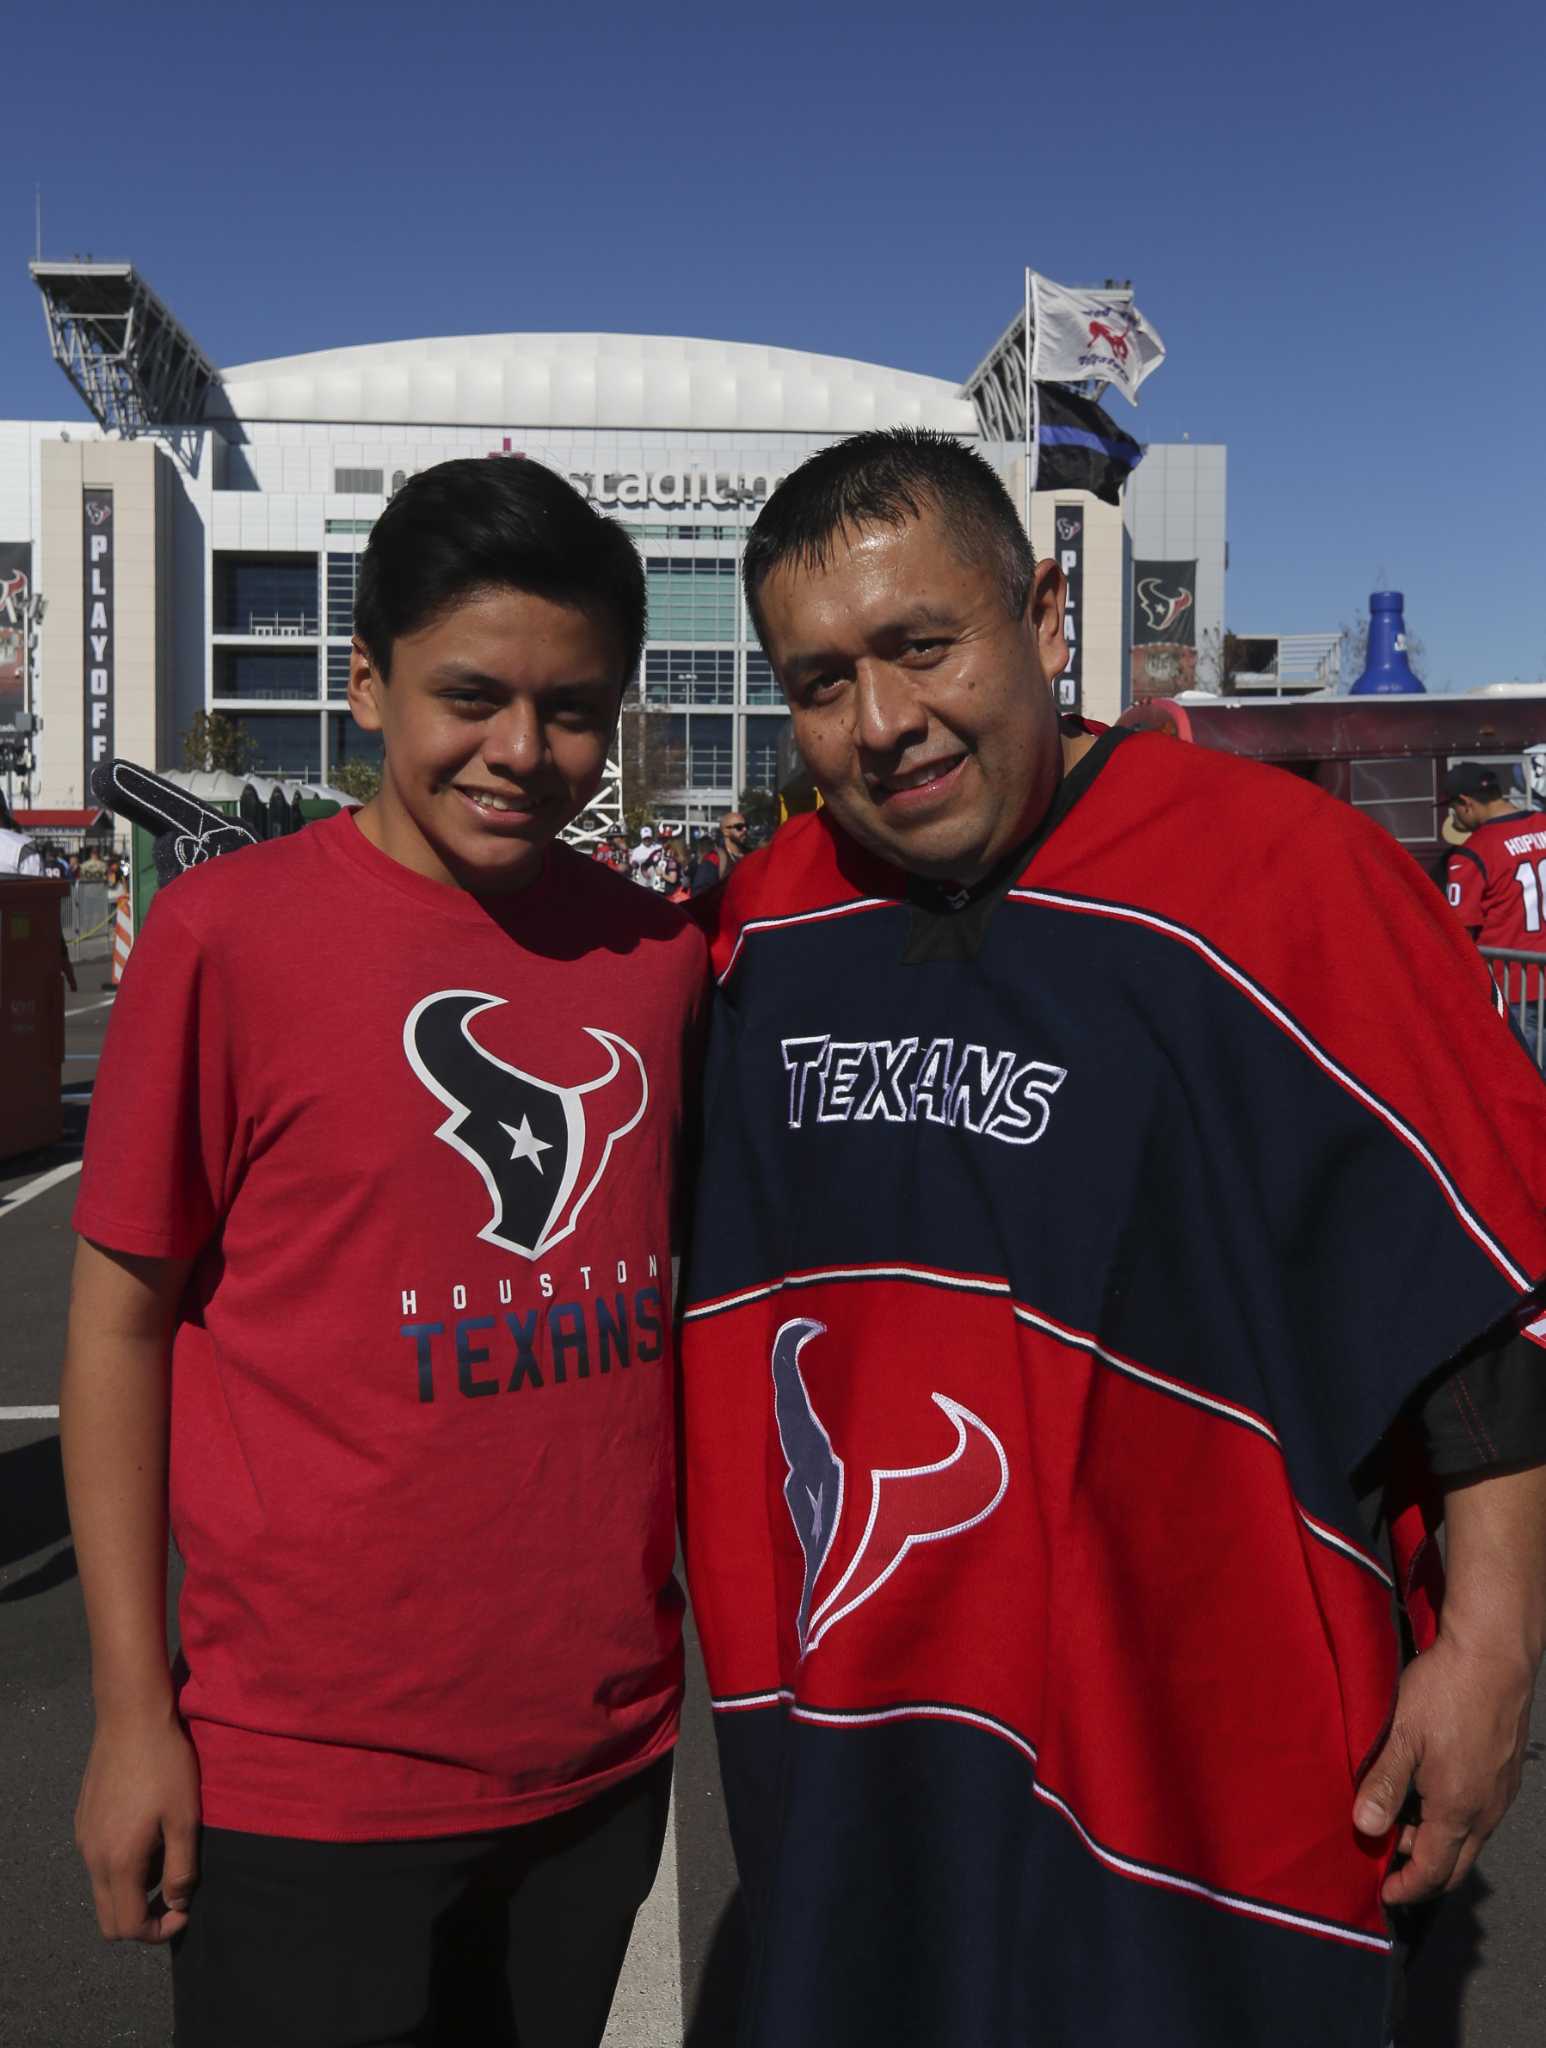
point(496, 723)
point(921, 705)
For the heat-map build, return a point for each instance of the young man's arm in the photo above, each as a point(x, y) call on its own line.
point(1463, 1710)
point(138, 1814)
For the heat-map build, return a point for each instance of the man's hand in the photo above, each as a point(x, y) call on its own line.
point(1461, 1723)
point(137, 1823)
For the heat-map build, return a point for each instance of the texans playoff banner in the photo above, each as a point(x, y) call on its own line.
point(1165, 604)
point(1068, 529)
point(97, 559)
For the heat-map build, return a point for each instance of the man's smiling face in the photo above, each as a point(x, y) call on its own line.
point(922, 707)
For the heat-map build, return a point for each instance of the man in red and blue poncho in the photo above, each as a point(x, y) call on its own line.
point(1121, 1211)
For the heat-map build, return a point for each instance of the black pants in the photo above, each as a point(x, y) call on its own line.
point(512, 1939)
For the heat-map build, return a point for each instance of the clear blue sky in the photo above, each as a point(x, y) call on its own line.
point(1333, 213)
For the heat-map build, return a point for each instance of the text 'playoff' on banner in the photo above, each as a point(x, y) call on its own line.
point(100, 651)
point(1068, 531)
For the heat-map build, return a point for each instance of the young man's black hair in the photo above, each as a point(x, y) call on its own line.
point(886, 478)
point(494, 522)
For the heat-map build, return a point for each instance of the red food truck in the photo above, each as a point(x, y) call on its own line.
point(1387, 756)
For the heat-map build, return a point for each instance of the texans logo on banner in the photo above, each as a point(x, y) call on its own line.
point(540, 1149)
point(1165, 604)
point(902, 1506)
point(1161, 607)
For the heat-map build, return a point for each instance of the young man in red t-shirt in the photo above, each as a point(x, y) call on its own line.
point(1496, 882)
point(372, 1305)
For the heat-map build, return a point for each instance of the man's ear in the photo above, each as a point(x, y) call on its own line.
point(1044, 610)
point(365, 686)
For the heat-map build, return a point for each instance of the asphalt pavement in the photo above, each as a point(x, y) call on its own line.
point(1479, 1981)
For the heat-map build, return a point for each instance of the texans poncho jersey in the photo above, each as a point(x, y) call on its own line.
point(1055, 1268)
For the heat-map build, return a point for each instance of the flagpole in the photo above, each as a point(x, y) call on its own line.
point(1030, 423)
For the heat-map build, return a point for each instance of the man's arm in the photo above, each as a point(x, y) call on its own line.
point(1463, 1709)
point(1465, 879)
point(138, 1811)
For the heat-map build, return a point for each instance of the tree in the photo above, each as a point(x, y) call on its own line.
point(759, 807)
point(357, 778)
point(1221, 657)
point(217, 744)
point(651, 748)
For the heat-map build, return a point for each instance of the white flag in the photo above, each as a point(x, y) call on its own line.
point(1090, 334)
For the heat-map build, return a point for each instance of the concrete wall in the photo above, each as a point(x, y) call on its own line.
point(1176, 503)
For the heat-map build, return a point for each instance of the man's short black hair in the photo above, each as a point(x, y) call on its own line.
point(489, 523)
point(886, 478)
point(1473, 779)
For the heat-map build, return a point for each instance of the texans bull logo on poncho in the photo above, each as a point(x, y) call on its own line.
point(540, 1149)
point(907, 1505)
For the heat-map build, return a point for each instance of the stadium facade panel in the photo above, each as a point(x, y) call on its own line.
point(231, 559)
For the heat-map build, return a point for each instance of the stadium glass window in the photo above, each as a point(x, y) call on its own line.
point(691, 597)
point(348, 742)
point(688, 675)
point(358, 483)
point(684, 532)
point(338, 670)
point(272, 596)
point(765, 745)
point(282, 744)
point(343, 575)
point(710, 752)
point(254, 672)
point(668, 749)
point(761, 683)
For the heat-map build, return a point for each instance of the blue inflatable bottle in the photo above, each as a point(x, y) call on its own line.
point(1387, 672)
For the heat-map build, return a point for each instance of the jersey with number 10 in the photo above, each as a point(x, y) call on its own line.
point(1496, 882)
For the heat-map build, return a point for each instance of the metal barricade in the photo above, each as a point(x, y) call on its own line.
point(86, 918)
point(1521, 977)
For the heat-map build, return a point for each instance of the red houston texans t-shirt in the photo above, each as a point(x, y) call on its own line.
point(421, 1146)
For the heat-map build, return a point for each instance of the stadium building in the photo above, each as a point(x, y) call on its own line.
point(197, 538)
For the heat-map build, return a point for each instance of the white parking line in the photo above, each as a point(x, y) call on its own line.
point(29, 1414)
point(40, 1186)
point(84, 1007)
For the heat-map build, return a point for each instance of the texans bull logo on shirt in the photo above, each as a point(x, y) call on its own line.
point(540, 1149)
point(907, 1505)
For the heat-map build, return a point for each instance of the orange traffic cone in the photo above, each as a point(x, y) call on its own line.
point(123, 936)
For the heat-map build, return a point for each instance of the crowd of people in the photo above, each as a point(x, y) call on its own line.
point(21, 853)
point(675, 864)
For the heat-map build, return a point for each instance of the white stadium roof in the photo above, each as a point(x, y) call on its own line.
point(609, 381)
